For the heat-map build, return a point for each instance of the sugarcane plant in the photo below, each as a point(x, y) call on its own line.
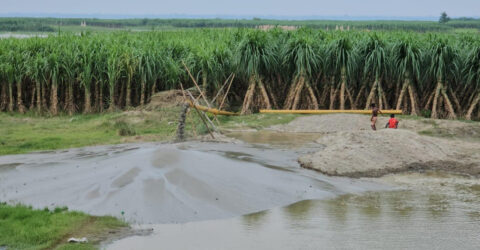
point(435, 75)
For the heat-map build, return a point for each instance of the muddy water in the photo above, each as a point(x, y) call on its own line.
point(375, 220)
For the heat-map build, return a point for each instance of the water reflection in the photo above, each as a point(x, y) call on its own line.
point(299, 210)
point(338, 208)
point(401, 203)
point(438, 205)
point(369, 204)
point(255, 220)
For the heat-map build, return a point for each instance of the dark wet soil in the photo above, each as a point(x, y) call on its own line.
point(452, 167)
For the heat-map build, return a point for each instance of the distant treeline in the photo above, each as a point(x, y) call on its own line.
point(49, 24)
point(21, 24)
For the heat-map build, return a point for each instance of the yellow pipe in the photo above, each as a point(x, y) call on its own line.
point(269, 111)
point(211, 110)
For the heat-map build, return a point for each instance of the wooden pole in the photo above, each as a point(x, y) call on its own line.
point(204, 122)
point(183, 92)
point(213, 101)
point(204, 115)
point(195, 82)
point(226, 93)
point(225, 96)
point(223, 86)
point(194, 128)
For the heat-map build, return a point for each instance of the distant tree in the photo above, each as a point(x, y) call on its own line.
point(444, 18)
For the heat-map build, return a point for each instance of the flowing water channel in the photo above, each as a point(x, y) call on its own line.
point(251, 195)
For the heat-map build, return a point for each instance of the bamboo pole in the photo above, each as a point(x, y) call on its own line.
point(194, 128)
point(226, 93)
point(202, 117)
point(211, 110)
point(196, 85)
point(223, 86)
point(218, 93)
point(196, 106)
point(231, 77)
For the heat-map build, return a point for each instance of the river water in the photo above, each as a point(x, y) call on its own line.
point(376, 220)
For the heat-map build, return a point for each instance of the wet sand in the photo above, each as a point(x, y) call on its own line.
point(165, 183)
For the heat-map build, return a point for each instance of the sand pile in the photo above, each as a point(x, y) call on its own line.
point(351, 148)
point(368, 153)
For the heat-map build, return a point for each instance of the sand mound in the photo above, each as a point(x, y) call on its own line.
point(352, 149)
point(371, 154)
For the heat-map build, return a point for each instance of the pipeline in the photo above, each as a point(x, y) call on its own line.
point(269, 111)
point(211, 110)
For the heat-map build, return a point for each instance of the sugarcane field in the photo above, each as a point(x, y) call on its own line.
point(128, 126)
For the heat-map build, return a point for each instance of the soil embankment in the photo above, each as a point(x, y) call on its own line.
point(351, 149)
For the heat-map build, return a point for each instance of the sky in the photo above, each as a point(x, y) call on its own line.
point(261, 8)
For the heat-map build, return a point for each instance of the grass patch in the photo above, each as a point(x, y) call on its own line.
point(31, 132)
point(124, 128)
point(25, 228)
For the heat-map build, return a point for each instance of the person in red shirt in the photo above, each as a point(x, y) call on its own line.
point(392, 123)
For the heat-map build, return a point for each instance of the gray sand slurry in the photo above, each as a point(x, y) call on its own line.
point(166, 183)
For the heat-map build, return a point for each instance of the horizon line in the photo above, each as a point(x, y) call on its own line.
point(216, 16)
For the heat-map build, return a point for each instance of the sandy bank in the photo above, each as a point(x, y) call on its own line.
point(351, 149)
